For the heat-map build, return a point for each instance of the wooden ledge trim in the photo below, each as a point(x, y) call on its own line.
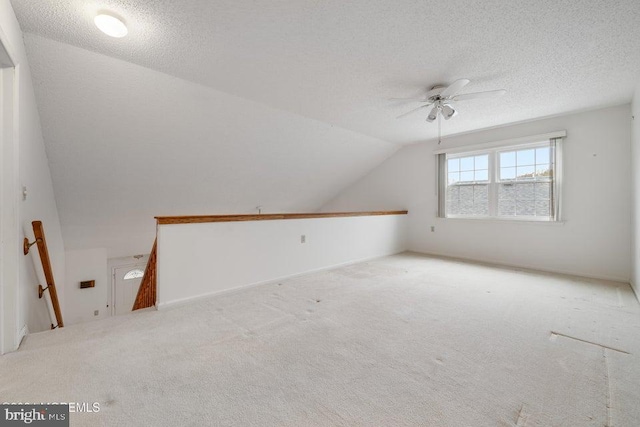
point(163, 220)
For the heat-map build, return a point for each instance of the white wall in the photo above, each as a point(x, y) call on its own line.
point(82, 265)
point(34, 174)
point(201, 259)
point(183, 150)
point(635, 169)
point(595, 239)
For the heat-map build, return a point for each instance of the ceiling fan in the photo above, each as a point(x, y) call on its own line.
point(441, 99)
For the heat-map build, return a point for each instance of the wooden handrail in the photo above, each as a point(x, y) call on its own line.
point(38, 232)
point(146, 296)
point(163, 220)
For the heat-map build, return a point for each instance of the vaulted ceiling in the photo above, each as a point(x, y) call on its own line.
point(220, 106)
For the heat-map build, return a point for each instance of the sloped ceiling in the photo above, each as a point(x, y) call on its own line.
point(283, 103)
point(126, 143)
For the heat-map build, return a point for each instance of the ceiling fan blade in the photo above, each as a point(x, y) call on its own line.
point(433, 114)
point(454, 88)
point(409, 99)
point(412, 111)
point(476, 95)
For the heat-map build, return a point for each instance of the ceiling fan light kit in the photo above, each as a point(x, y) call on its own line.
point(442, 99)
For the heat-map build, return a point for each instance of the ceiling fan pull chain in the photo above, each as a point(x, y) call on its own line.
point(439, 129)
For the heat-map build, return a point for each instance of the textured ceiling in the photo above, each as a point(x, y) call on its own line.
point(339, 61)
point(126, 143)
point(283, 103)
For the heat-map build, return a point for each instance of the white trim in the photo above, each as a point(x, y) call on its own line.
point(496, 144)
point(529, 267)
point(22, 333)
point(516, 220)
point(4, 41)
point(633, 288)
point(558, 179)
point(10, 329)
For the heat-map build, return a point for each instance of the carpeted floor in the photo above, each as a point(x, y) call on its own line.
point(405, 340)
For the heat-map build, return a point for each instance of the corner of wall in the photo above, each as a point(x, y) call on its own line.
point(34, 174)
point(407, 180)
point(82, 265)
point(635, 206)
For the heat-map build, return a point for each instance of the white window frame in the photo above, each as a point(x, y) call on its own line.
point(489, 182)
point(493, 150)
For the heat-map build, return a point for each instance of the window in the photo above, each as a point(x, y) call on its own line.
point(468, 185)
point(134, 274)
point(516, 181)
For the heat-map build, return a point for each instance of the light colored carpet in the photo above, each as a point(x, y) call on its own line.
point(405, 340)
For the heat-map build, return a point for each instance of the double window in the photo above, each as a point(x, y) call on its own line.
point(516, 181)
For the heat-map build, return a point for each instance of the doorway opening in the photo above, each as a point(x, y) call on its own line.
point(126, 275)
point(9, 229)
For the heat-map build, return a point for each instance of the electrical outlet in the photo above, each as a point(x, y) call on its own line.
point(433, 228)
point(303, 238)
point(96, 312)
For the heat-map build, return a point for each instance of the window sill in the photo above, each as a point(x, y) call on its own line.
point(505, 221)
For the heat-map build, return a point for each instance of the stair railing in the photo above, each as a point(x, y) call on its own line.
point(146, 296)
point(41, 242)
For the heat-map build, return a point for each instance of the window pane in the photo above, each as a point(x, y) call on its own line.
point(481, 200)
point(468, 200)
point(454, 177)
point(466, 176)
point(524, 199)
point(453, 196)
point(453, 165)
point(133, 274)
point(507, 192)
point(543, 171)
point(482, 175)
point(543, 208)
point(508, 159)
point(525, 208)
point(507, 173)
point(507, 208)
point(525, 191)
point(542, 155)
point(525, 157)
point(482, 162)
point(543, 190)
point(525, 172)
point(466, 164)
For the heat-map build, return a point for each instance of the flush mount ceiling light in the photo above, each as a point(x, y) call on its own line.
point(111, 25)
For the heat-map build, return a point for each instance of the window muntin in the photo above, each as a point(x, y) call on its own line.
point(515, 182)
point(468, 169)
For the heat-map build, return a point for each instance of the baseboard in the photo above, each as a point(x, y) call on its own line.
point(633, 288)
point(526, 267)
point(187, 300)
point(21, 334)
